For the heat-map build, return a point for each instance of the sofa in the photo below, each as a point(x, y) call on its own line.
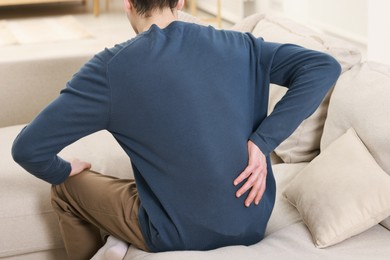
point(332, 173)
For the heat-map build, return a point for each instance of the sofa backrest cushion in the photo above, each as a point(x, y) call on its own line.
point(185, 17)
point(361, 100)
point(28, 86)
point(303, 145)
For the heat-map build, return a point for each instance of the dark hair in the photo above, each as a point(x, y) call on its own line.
point(145, 7)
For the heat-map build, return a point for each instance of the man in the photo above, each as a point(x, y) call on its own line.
point(188, 104)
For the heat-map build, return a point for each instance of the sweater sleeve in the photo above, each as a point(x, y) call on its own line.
point(307, 74)
point(81, 109)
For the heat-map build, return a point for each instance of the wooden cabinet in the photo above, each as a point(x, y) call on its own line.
point(26, 2)
point(96, 3)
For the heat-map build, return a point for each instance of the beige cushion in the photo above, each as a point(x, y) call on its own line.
point(284, 30)
point(27, 221)
point(361, 100)
point(342, 192)
point(303, 145)
point(248, 24)
point(42, 79)
point(185, 17)
point(386, 223)
point(291, 243)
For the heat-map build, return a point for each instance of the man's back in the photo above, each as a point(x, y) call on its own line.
point(183, 103)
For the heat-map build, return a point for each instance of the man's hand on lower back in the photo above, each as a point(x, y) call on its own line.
point(254, 176)
point(78, 166)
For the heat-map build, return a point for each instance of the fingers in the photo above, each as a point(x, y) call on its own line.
point(261, 191)
point(254, 174)
point(78, 166)
point(244, 175)
point(255, 192)
point(251, 180)
point(256, 184)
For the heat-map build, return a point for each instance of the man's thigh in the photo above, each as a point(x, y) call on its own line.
point(107, 202)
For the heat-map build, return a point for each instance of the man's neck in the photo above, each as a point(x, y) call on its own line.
point(161, 18)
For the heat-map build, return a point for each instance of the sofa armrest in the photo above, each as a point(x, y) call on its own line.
point(28, 86)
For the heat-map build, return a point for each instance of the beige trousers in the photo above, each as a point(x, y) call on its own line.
point(90, 204)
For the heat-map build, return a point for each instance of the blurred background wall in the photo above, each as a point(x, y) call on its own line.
point(366, 23)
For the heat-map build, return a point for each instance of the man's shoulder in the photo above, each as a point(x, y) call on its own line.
point(108, 54)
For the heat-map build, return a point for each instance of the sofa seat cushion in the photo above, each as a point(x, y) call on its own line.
point(27, 221)
point(292, 242)
point(304, 144)
point(361, 100)
point(287, 237)
point(282, 216)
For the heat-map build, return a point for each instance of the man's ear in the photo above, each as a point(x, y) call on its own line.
point(127, 4)
point(180, 4)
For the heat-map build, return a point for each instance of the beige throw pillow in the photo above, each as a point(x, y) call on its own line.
point(341, 193)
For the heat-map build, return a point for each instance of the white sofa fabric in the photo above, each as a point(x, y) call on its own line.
point(28, 225)
point(361, 101)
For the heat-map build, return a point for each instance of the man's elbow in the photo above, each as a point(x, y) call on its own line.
point(18, 153)
point(21, 153)
point(333, 68)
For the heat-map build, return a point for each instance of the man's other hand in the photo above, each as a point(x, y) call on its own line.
point(78, 166)
point(255, 175)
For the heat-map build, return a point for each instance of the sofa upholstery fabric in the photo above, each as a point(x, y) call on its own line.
point(361, 101)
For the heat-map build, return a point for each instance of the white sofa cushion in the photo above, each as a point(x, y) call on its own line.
point(342, 192)
point(286, 237)
point(27, 221)
point(303, 145)
point(249, 23)
point(284, 30)
point(361, 100)
point(29, 85)
point(185, 17)
point(292, 242)
point(283, 214)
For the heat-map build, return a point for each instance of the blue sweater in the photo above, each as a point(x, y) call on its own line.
point(183, 102)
